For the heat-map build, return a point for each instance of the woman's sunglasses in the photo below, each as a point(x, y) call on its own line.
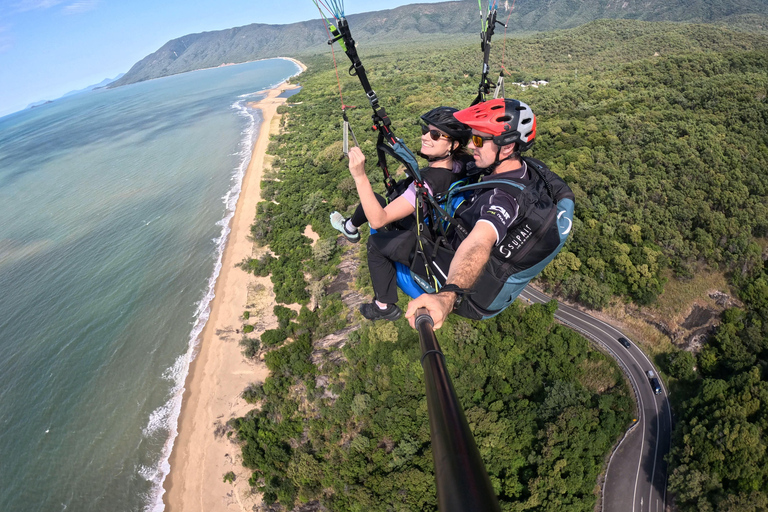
point(433, 134)
point(478, 141)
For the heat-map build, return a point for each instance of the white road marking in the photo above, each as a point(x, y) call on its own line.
point(562, 312)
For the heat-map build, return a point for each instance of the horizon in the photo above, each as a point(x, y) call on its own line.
point(56, 47)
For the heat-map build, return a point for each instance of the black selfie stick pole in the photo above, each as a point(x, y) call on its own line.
point(460, 476)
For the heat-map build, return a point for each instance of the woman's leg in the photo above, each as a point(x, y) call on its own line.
point(358, 218)
point(384, 249)
point(348, 227)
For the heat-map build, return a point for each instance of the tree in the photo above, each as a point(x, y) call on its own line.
point(680, 365)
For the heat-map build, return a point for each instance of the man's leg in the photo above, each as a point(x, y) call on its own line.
point(440, 263)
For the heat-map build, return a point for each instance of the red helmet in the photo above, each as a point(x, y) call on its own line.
point(507, 120)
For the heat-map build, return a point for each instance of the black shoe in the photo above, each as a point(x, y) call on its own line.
point(373, 312)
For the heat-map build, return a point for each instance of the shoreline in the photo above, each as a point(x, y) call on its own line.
point(297, 62)
point(220, 373)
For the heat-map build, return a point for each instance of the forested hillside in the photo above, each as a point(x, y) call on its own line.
point(668, 162)
point(661, 130)
point(543, 407)
point(720, 449)
point(420, 21)
point(665, 152)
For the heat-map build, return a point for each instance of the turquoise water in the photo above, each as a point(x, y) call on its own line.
point(113, 213)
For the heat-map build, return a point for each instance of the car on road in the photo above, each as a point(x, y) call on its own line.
point(625, 342)
point(655, 384)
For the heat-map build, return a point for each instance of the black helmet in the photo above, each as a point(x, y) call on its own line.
point(442, 119)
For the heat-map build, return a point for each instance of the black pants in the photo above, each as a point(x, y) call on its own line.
point(387, 247)
point(359, 218)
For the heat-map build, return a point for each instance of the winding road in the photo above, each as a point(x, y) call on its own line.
point(636, 479)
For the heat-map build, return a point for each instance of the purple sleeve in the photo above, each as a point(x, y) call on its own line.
point(500, 211)
point(410, 194)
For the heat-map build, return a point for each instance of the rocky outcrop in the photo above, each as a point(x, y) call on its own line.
point(328, 349)
point(698, 323)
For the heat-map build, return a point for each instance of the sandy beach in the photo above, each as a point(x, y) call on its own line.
point(219, 374)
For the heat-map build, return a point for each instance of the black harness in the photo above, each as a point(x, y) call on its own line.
point(533, 237)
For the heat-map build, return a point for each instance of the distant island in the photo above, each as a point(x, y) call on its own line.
point(39, 104)
point(89, 88)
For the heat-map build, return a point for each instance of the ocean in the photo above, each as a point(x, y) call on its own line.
point(114, 206)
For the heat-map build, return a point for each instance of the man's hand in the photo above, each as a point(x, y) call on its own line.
point(467, 264)
point(356, 163)
point(439, 306)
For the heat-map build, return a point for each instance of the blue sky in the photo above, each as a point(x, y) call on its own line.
point(51, 47)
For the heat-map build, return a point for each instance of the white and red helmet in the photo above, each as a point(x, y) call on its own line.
point(507, 120)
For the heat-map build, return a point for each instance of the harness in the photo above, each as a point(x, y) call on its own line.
point(387, 144)
point(544, 222)
point(545, 201)
point(438, 179)
point(488, 23)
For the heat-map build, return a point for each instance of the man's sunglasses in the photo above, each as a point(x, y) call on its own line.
point(433, 134)
point(478, 141)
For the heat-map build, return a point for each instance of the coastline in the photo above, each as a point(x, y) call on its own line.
point(219, 373)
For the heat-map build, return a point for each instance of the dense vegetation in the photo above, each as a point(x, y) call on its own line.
point(666, 154)
point(720, 454)
point(543, 407)
point(667, 160)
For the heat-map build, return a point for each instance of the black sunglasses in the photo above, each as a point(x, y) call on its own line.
point(433, 134)
point(477, 140)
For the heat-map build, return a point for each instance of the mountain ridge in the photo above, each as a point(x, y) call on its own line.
point(415, 21)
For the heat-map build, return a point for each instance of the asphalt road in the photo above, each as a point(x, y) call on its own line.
point(636, 479)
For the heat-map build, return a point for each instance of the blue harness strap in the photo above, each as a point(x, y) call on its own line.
point(406, 282)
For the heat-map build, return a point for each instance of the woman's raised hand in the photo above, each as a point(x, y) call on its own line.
point(356, 163)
